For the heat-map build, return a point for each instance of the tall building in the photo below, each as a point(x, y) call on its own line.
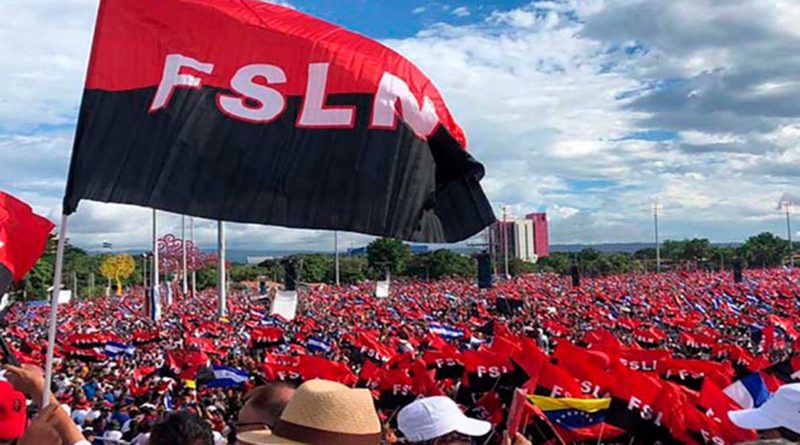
point(541, 234)
point(527, 239)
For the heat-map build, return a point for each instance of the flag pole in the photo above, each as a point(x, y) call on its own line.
point(156, 293)
point(221, 284)
point(185, 268)
point(336, 253)
point(51, 335)
point(194, 272)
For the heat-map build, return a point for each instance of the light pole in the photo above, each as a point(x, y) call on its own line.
point(195, 253)
point(221, 281)
point(656, 208)
point(336, 253)
point(183, 262)
point(786, 205)
point(505, 239)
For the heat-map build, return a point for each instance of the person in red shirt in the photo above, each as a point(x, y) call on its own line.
point(13, 413)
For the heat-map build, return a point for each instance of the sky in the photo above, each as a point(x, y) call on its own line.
point(588, 109)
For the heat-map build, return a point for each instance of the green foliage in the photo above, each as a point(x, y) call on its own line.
point(207, 276)
point(388, 254)
point(351, 270)
point(440, 264)
point(765, 250)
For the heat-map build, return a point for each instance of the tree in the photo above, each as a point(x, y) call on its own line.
point(439, 264)
point(387, 254)
point(351, 270)
point(118, 268)
point(765, 250)
point(35, 284)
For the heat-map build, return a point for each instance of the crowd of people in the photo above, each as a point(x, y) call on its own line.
point(666, 356)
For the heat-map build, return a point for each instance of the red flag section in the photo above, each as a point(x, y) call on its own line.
point(23, 237)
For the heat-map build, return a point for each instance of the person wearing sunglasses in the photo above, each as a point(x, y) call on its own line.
point(262, 408)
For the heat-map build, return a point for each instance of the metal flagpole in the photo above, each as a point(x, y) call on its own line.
point(221, 284)
point(91, 284)
point(74, 284)
point(156, 292)
point(658, 244)
point(194, 272)
point(787, 206)
point(505, 238)
point(51, 335)
point(336, 253)
point(185, 268)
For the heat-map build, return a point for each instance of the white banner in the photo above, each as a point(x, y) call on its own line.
point(285, 304)
point(382, 289)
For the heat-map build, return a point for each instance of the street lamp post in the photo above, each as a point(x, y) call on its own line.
point(786, 205)
point(505, 239)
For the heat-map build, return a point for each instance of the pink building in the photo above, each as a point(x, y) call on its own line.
point(541, 234)
point(526, 239)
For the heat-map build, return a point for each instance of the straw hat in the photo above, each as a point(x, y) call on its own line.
point(323, 413)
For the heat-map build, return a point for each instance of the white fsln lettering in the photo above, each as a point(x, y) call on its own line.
point(271, 102)
point(423, 120)
point(314, 113)
point(172, 78)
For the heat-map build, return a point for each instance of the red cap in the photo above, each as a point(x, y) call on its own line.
point(13, 412)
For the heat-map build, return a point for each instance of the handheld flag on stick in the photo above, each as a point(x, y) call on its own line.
point(324, 129)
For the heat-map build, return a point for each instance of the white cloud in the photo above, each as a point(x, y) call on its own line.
point(461, 11)
point(558, 99)
point(419, 10)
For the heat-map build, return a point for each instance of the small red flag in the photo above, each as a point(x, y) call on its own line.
point(23, 237)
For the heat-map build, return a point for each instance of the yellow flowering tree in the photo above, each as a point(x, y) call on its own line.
point(118, 268)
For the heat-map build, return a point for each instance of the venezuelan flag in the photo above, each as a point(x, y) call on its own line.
point(577, 419)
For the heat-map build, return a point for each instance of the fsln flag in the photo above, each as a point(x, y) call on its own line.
point(225, 377)
point(23, 238)
point(246, 111)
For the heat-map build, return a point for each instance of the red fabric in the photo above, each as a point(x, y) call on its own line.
point(23, 236)
point(233, 34)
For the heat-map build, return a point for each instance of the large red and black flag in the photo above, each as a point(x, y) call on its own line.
point(190, 103)
point(23, 238)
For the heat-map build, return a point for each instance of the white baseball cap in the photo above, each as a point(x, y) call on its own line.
point(782, 410)
point(434, 417)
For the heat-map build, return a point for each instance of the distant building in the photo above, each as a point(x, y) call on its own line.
point(527, 239)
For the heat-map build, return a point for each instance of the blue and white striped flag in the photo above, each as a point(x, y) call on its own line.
point(699, 308)
point(225, 377)
point(735, 310)
point(319, 344)
point(445, 331)
point(154, 304)
point(113, 349)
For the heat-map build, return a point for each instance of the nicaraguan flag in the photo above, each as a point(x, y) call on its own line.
point(113, 349)
point(154, 304)
point(735, 310)
point(225, 377)
point(699, 308)
point(749, 392)
point(445, 331)
point(318, 344)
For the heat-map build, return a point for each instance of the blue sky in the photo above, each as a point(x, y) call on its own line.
point(400, 19)
point(590, 109)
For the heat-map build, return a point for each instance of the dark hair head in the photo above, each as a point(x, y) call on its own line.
point(181, 428)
